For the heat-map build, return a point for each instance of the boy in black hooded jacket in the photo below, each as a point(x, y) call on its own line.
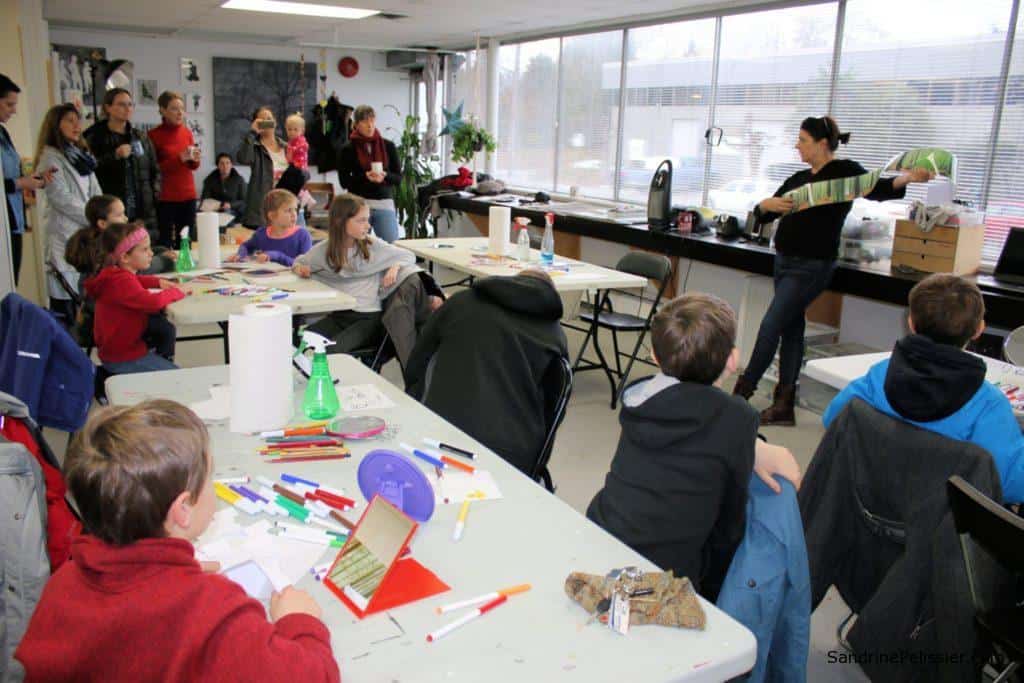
point(677, 489)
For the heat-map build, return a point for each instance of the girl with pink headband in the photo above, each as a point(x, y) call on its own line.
point(125, 304)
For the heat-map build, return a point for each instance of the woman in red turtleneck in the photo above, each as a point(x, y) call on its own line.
point(178, 157)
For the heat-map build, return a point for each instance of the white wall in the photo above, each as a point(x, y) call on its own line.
point(158, 58)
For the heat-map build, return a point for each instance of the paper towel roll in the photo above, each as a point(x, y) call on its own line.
point(262, 396)
point(499, 223)
point(208, 227)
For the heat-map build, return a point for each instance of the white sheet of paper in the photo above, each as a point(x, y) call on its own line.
point(363, 397)
point(252, 578)
point(456, 486)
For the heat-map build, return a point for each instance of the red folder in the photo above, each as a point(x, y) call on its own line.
point(374, 548)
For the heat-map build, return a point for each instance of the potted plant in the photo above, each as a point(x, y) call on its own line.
point(416, 172)
point(469, 139)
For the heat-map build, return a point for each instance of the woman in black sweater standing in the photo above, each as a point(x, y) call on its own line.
point(368, 166)
point(806, 249)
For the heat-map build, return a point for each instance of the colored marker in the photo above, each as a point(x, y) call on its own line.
point(478, 612)
point(326, 495)
point(289, 494)
point(310, 458)
point(292, 479)
point(457, 465)
point(423, 456)
point(295, 431)
point(344, 522)
point(225, 494)
point(486, 597)
point(438, 444)
point(232, 480)
point(460, 523)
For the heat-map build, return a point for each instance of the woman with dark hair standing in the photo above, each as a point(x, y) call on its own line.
point(178, 157)
point(128, 167)
point(263, 152)
point(806, 249)
point(14, 181)
point(368, 166)
point(61, 147)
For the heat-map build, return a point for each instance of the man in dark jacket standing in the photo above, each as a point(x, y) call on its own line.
point(225, 185)
point(491, 346)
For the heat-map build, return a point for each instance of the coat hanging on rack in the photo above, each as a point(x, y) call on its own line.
point(331, 127)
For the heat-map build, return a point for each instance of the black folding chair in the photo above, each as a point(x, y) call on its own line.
point(982, 522)
point(557, 384)
point(375, 356)
point(652, 266)
point(68, 311)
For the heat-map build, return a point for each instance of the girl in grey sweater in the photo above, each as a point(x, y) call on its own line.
point(366, 268)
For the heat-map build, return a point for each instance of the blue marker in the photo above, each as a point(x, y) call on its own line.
point(296, 480)
point(424, 456)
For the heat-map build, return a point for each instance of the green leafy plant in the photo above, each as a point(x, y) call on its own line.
point(416, 172)
point(468, 139)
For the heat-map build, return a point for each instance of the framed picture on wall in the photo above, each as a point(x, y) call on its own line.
point(189, 71)
point(195, 103)
point(146, 92)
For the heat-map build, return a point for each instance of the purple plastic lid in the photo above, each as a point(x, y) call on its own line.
point(398, 481)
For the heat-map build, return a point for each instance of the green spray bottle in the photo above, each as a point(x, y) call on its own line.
point(184, 263)
point(321, 400)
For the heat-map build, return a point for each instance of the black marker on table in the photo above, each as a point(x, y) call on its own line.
point(437, 444)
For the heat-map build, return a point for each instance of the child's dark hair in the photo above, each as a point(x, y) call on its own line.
point(693, 336)
point(128, 464)
point(84, 251)
point(112, 237)
point(98, 208)
point(947, 309)
point(825, 128)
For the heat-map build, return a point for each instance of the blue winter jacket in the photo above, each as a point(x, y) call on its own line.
point(768, 586)
point(986, 419)
point(43, 366)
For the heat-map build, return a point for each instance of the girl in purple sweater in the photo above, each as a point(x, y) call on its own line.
point(281, 240)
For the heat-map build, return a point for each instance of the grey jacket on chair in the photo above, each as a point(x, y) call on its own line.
point(879, 527)
point(25, 564)
point(253, 154)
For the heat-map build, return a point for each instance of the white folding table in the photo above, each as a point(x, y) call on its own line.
point(528, 536)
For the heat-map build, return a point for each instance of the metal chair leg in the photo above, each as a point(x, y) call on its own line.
point(624, 377)
point(1007, 672)
point(615, 345)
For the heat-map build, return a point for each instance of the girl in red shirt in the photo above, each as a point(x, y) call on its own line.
point(124, 302)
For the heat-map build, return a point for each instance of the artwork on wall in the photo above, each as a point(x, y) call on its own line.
point(240, 86)
point(198, 131)
point(195, 103)
point(146, 92)
point(75, 73)
point(189, 72)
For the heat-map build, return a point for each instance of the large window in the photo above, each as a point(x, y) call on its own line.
point(769, 80)
point(1005, 207)
point(668, 95)
point(912, 73)
point(528, 102)
point(588, 120)
point(922, 73)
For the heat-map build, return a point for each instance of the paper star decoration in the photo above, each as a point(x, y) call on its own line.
point(452, 120)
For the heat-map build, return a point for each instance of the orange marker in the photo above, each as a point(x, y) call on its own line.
point(487, 597)
point(452, 462)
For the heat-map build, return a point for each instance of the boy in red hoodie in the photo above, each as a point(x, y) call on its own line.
point(124, 303)
point(134, 604)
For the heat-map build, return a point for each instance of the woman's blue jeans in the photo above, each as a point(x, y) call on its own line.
point(385, 224)
point(798, 282)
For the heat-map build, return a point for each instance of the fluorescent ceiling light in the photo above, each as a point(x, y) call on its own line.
point(300, 8)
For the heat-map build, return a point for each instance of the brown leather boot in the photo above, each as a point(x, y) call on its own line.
point(781, 413)
point(744, 388)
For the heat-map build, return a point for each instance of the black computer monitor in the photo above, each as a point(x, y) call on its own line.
point(1011, 260)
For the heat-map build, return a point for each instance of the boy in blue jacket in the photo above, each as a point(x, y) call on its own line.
point(931, 382)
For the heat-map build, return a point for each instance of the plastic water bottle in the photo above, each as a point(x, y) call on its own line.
point(184, 262)
point(523, 243)
point(547, 244)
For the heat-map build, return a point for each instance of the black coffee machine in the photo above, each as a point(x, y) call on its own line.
point(659, 198)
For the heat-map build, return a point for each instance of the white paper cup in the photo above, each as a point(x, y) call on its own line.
point(377, 166)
